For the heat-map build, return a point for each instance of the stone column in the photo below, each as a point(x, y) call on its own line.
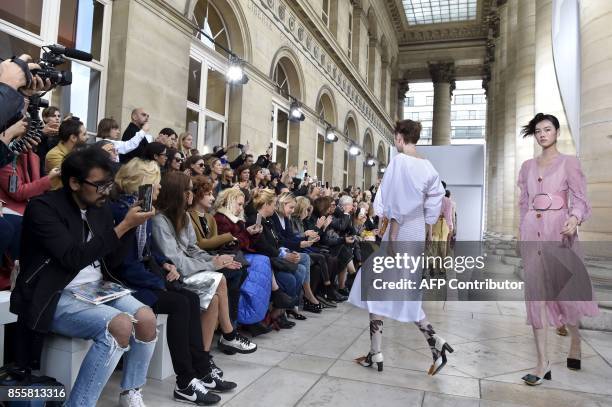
point(402, 89)
point(500, 116)
point(596, 117)
point(525, 87)
point(443, 78)
point(547, 96)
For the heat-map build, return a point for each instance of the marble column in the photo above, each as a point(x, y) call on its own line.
point(500, 116)
point(547, 96)
point(596, 117)
point(443, 78)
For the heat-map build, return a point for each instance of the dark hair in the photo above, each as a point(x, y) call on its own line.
point(254, 170)
point(443, 184)
point(530, 128)
point(153, 149)
point(409, 130)
point(321, 205)
point(192, 160)
point(105, 126)
point(167, 131)
point(171, 153)
point(49, 111)
point(171, 200)
point(68, 128)
point(447, 194)
point(202, 185)
point(79, 163)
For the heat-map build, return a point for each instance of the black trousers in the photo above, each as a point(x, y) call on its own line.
point(184, 334)
point(234, 279)
point(318, 271)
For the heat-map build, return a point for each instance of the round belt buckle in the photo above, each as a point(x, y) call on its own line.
point(549, 198)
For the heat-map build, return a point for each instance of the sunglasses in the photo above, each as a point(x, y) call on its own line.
point(200, 164)
point(101, 188)
point(178, 160)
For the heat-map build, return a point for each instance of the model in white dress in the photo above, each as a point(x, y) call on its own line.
point(410, 196)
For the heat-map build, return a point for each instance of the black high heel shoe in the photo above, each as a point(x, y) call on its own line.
point(442, 347)
point(573, 364)
point(533, 380)
point(312, 307)
point(296, 315)
point(370, 359)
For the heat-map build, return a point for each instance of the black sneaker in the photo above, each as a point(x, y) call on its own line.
point(212, 382)
point(196, 393)
point(240, 344)
point(214, 368)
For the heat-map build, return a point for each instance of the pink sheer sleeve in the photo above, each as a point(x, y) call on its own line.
point(523, 194)
point(447, 209)
point(579, 205)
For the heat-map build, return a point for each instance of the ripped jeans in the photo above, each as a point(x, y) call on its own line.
point(78, 319)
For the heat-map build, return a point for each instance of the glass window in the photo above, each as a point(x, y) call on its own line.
point(213, 132)
point(281, 156)
point(429, 100)
point(280, 78)
point(195, 76)
point(325, 12)
point(281, 126)
point(81, 23)
point(215, 91)
point(212, 24)
point(409, 101)
point(26, 14)
point(10, 46)
point(81, 98)
point(192, 121)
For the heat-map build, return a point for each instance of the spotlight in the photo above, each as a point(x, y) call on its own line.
point(295, 112)
point(370, 162)
point(354, 150)
point(330, 135)
point(382, 169)
point(235, 72)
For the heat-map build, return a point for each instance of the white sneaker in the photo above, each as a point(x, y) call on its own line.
point(132, 398)
point(239, 344)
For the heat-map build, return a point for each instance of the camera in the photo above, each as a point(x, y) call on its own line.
point(241, 146)
point(54, 55)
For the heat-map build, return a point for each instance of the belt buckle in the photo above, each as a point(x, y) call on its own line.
point(549, 198)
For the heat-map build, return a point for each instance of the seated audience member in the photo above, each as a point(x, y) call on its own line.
point(138, 127)
point(71, 135)
point(69, 239)
point(19, 182)
point(175, 160)
point(174, 236)
point(320, 279)
point(156, 151)
point(51, 117)
point(216, 169)
point(194, 165)
point(166, 137)
point(109, 147)
point(243, 180)
point(108, 129)
point(288, 271)
point(207, 238)
point(156, 283)
point(281, 223)
point(342, 227)
point(185, 144)
point(226, 180)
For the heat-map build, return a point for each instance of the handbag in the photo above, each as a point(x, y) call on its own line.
point(232, 248)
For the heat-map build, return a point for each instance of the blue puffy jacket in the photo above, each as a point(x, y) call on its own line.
point(255, 290)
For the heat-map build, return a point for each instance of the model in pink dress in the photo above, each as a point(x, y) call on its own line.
point(552, 205)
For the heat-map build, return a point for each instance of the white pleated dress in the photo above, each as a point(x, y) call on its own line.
point(411, 193)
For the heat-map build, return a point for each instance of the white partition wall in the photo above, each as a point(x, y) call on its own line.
point(462, 168)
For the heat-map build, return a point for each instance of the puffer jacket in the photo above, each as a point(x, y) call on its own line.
point(255, 290)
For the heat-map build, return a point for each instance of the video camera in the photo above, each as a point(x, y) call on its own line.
point(53, 56)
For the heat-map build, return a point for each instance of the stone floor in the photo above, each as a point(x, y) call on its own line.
point(312, 364)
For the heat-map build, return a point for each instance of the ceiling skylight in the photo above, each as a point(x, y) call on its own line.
point(439, 11)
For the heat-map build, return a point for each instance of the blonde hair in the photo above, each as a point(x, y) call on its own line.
point(227, 199)
point(283, 199)
point(263, 197)
point(135, 173)
point(182, 149)
point(301, 204)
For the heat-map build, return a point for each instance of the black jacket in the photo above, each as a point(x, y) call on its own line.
point(286, 236)
point(266, 242)
point(130, 131)
point(53, 253)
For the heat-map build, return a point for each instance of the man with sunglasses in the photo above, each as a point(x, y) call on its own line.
point(69, 238)
point(139, 120)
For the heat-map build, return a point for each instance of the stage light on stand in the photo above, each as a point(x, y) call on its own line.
point(330, 135)
point(370, 162)
point(354, 150)
point(295, 112)
point(382, 169)
point(235, 73)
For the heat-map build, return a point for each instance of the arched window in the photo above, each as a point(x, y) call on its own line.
point(281, 80)
point(209, 20)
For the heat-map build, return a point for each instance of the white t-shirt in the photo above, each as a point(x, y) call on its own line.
point(91, 272)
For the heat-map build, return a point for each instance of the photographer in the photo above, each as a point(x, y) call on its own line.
point(16, 81)
point(69, 238)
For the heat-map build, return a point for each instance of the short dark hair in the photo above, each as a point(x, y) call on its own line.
point(49, 111)
point(409, 130)
point(105, 126)
point(79, 163)
point(167, 131)
point(529, 128)
point(68, 128)
point(153, 149)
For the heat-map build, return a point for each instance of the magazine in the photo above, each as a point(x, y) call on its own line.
point(99, 292)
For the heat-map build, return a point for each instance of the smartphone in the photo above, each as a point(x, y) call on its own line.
point(258, 221)
point(145, 196)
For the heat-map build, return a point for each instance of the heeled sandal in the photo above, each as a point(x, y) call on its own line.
point(370, 359)
point(574, 364)
point(440, 361)
point(312, 307)
point(533, 380)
